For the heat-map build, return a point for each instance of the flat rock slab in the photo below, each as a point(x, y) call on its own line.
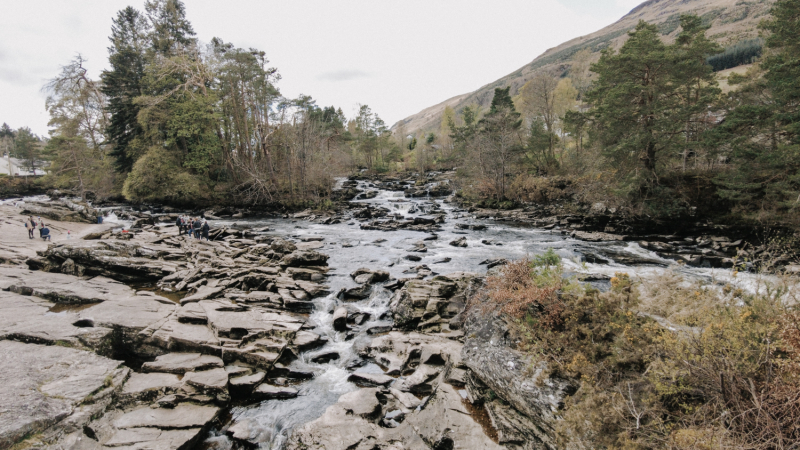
point(44, 384)
point(182, 416)
point(214, 379)
point(153, 438)
point(141, 382)
point(61, 288)
point(182, 363)
point(248, 380)
point(370, 379)
point(192, 313)
point(268, 392)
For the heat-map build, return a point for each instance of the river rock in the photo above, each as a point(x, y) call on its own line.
point(460, 242)
point(182, 363)
point(340, 319)
point(213, 380)
point(370, 379)
point(182, 416)
point(269, 392)
point(304, 258)
point(357, 293)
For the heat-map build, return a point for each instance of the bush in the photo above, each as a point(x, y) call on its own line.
point(158, 176)
point(666, 363)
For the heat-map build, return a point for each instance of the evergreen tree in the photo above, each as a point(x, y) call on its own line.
point(123, 83)
point(762, 131)
point(171, 31)
point(635, 100)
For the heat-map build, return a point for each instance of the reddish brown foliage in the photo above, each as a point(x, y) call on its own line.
point(519, 288)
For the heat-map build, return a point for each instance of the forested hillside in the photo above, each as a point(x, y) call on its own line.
point(730, 22)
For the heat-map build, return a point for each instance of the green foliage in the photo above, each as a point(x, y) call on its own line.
point(741, 53)
point(158, 176)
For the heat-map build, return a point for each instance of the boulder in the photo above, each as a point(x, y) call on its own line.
point(460, 242)
point(304, 258)
point(340, 319)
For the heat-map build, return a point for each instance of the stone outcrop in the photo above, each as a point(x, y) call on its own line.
point(232, 334)
point(62, 210)
point(431, 305)
point(393, 417)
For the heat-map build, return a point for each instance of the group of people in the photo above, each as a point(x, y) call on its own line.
point(31, 224)
point(196, 227)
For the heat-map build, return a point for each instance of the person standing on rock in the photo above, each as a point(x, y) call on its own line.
point(179, 224)
point(28, 229)
point(205, 229)
point(197, 226)
point(32, 227)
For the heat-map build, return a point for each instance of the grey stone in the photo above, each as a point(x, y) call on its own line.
point(208, 380)
point(43, 385)
point(370, 379)
point(182, 363)
point(181, 417)
point(268, 392)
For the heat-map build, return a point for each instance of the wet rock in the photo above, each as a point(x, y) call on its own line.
point(340, 319)
point(325, 357)
point(489, 263)
point(182, 363)
point(370, 379)
point(443, 261)
point(595, 236)
point(461, 242)
point(465, 226)
point(305, 340)
point(414, 258)
point(269, 392)
point(369, 276)
point(244, 385)
point(357, 293)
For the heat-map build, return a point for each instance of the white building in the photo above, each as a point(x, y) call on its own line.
point(17, 167)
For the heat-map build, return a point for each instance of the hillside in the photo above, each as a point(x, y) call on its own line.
point(731, 21)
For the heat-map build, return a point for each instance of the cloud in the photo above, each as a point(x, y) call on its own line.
point(343, 75)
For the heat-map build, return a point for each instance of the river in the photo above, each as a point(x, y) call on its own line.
point(351, 247)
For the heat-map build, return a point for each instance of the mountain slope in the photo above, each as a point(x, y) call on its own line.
point(730, 20)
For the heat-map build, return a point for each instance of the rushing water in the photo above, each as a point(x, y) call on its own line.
point(350, 248)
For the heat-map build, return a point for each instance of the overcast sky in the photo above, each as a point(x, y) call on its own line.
point(396, 56)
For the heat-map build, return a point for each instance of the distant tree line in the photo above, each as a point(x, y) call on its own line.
point(177, 120)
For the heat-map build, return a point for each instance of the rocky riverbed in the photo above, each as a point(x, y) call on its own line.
point(323, 330)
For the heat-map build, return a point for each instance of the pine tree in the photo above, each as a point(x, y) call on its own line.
point(123, 83)
point(635, 100)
